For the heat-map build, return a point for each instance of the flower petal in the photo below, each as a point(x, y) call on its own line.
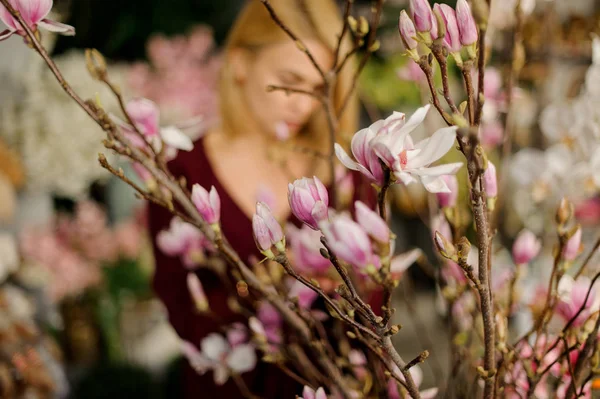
point(33, 11)
point(176, 138)
point(214, 346)
point(403, 261)
point(434, 184)
point(7, 17)
point(435, 147)
point(53, 26)
point(242, 358)
point(439, 170)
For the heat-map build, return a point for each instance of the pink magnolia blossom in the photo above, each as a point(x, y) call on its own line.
point(182, 75)
point(423, 17)
point(305, 246)
point(184, 240)
point(411, 71)
point(466, 23)
point(452, 37)
point(145, 115)
point(407, 30)
point(572, 296)
point(218, 355)
point(372, 223)
point(526, 247)
point(367, 161)
point(207, 203)
point(267, 230)
point(411, 162)
point(34, 13)
point(309, 200)
point(271, 321)
point(348, 241)
point(305, 295)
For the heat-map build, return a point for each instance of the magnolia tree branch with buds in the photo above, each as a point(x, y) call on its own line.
point(359, 249)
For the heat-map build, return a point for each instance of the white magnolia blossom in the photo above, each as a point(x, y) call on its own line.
point(219, 356)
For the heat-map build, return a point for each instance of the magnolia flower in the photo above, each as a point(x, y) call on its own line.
point(349, 241)
point(466, 23)
point(34, 13)
point(306, 296)
point(367, 161)
point(490, 180)
point(408, 161)
point(452, 37)
point(305, 246)
point(208, 204)
point(372, 223)
point(220, 356)
point(572, 296)
point(308, 200)
point(183, 239)
point(407, 30)
point(526, 247)
point(400, 263)
point(309, 393)
point(267, 231)
point(423, 17)
point(145, 116)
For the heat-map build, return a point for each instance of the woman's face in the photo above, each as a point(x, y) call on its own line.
point(283, 64)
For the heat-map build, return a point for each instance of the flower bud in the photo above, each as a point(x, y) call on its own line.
point(490, 181)
point(466, 23)
point(422, 15)
point(95, 63)
point(372, 223)
point(207, 204)
point(573, 245)
point(448, 199)
point(452, 36)
point(526, 247)
point(444, 246)
point(275, 233)
point(564, 212)
point(262, 237)
point(407, 31)
point(309, 200)
point(195, 288)
point(464, 247)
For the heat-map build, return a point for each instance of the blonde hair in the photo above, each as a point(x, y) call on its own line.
point(307, 19)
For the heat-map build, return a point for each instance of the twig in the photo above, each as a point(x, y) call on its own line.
point(295, 38)
point(438, 53)
point(587, 259)
point(370, 40)
point(411, 387)
point(293, 375)
point(426, 68)
point(466, 72)
point(344, 30)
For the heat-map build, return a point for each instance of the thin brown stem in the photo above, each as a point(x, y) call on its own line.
point(466, 72)
point(411, 387)
point(294, 376)
point(438, 53)
point(344, 30)
point(295, 38)
point(426, 68)
point(288, 90)
point(378, 8)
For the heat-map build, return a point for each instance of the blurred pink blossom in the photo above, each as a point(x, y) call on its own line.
point(182, 74)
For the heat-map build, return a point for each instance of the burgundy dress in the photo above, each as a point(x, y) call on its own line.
point(170, 284)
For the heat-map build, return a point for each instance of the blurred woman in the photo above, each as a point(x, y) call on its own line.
point(253, 151)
